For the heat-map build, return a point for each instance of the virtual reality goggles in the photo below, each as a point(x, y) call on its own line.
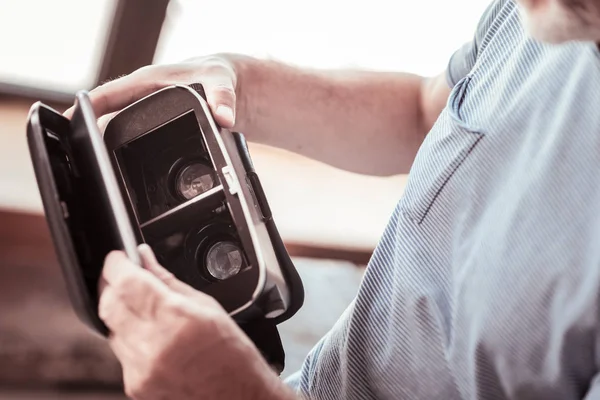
point(164, 174)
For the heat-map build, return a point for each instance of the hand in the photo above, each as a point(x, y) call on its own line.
point(174, 342)
point(216, 73)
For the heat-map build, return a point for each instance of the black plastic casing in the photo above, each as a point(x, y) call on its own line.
point(280, 288)
point(110, 224)
point(87, 218)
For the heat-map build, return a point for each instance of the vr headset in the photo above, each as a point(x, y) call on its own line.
point(164, 174)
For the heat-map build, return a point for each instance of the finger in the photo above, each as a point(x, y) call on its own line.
point(121, 92)
point(104, 120)
point(69, 112)
point(102, 284)
point(116, 265)
point(137, 288)
point(150, 262)
point(221, 98)
point(114, 313)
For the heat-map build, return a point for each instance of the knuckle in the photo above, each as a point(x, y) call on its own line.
point(161, 272)
point(132, 288)
point(216, 66)
point(213, 318)
point(211, 304)
point(221, 94)
point(173, 305)
point(215, 63)
point(147, 70)
point(212, 68)
point(223, 90)
point(152, 302)
point(128, 283)
point(113, 257)
point(168, 276)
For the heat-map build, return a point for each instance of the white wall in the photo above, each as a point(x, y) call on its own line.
point(408, 35)
point(54, 44)
point(57, 44)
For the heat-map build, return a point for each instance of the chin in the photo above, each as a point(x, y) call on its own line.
point(552, 21)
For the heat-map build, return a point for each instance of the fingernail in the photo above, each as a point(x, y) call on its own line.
point(225, 112)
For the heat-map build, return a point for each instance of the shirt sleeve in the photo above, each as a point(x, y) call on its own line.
point(335, 367)
point(464, 59)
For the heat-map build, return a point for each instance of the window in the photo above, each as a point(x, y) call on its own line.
point(68, 45)
point(397, 35)
point(404, 35)
point(54, 45)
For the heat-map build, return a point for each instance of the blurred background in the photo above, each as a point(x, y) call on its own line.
point(330, 219)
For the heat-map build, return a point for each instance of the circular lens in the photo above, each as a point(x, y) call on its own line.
point(193, 180)
point(224, 260)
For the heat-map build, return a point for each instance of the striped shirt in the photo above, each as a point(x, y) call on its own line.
point(486, 282)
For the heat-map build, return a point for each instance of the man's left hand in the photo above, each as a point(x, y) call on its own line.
point(175, 342)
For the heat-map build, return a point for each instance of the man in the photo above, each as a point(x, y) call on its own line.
point(485, 284)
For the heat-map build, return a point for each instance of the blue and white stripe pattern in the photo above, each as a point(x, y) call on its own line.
point(486, 282)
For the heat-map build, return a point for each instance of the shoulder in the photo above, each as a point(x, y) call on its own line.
point(495, 15)
point(463, 60)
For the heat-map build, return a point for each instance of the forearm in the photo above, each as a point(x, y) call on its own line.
point(362, 121)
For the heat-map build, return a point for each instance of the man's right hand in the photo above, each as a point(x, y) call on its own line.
point(367, 122)
point(217, 73)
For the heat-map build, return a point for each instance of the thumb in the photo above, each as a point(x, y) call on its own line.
point(220, 96)
point(150, 263)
